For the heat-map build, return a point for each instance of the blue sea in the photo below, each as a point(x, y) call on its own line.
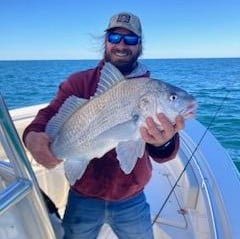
point(215, 83)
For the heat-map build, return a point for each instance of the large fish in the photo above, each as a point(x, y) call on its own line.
point(86, 129)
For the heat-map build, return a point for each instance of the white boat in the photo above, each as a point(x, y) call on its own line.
point(194, 196)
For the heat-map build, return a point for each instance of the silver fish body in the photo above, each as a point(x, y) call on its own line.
point(87, 129)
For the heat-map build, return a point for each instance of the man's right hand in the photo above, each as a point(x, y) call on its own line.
point(38, 145)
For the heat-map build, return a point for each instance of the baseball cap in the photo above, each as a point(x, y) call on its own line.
point(126, 20)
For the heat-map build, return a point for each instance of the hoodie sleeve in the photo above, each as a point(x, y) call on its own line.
point(165, 152)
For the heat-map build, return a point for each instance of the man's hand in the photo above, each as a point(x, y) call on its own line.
point(158, 137)
point(38, 145)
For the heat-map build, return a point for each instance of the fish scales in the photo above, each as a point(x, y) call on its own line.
point(118, 105)
point(98, 116)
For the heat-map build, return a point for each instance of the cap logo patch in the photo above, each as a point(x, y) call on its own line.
point(123, 18)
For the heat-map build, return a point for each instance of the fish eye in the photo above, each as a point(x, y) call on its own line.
point(173, 97)
point(135, 117)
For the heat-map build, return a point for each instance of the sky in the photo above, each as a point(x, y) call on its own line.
point(73, 29)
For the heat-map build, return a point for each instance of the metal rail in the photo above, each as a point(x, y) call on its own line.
point(14, 193)
point(24, 186)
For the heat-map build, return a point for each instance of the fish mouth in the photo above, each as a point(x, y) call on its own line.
point(190, 111)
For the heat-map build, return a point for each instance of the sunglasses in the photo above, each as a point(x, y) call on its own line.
point(129, 39)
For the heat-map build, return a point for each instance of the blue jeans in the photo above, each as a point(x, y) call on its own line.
point(129, 219)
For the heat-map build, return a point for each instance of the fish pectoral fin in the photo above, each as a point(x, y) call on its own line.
point(128, 153)
point(74, 169)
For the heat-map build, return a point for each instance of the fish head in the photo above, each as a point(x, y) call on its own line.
point(173, 101)
point(162, 97)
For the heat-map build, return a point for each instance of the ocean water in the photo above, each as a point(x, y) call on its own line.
point(214, 82)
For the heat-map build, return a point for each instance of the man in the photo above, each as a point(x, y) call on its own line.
point(104, 194)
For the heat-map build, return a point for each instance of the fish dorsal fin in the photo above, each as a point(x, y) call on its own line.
point(70, 105)
point(109, 77)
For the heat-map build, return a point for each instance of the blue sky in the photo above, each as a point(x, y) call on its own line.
point(71, 29)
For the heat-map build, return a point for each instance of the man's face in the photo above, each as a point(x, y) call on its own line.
point(122, 55)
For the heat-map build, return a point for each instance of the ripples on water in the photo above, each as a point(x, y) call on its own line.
point(211, 81)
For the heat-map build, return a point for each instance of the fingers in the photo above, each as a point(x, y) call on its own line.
point(179, 123)
point(46, 158)
point(38, 145)
point(168, 128)
point(147, 137)
point(156, 135)
point(153, 129)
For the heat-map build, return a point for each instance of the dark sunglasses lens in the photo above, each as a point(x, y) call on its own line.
point(131, 39)
point(114, 38)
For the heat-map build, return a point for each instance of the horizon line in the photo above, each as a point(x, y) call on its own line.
point(98, 59)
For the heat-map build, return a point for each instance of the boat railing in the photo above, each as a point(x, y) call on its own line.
point(19, 187)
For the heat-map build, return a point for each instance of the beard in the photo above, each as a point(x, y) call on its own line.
point(123, 65)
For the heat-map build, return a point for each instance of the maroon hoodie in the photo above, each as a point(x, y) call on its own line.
point(103, 177)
